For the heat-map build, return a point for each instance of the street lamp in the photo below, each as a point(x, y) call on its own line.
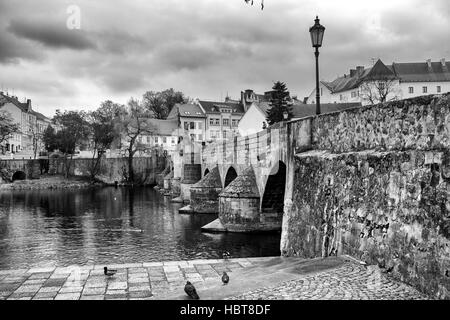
point(285, 115)
point(317, 31)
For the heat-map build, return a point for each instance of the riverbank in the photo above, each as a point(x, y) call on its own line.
point(250, 278)
point(51, 182)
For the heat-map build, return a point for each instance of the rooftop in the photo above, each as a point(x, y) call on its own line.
point(214, 107)
point(164, 127)
point(406, 72)
point(186, 110)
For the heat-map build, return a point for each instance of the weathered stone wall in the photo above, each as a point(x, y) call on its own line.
point(192, 173)
point(113, 169)
point(377, 187)
point(421, 123)
point(31, 168)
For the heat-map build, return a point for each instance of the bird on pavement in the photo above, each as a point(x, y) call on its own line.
point(225, 278)
point(190, 291)
point(109, 272)
point(226, 255)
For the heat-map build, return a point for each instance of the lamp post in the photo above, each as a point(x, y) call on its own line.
point(285, 115)
point(317, 31)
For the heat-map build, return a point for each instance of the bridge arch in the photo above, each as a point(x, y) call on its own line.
point(273, 198)
point(19, 175)
point(230, 176)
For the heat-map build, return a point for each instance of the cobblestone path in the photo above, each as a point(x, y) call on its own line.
point(138, 281)
point(135, 281)
point(348, 282)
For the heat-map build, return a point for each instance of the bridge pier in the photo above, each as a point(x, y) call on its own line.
point(205, 193)
point(239, 208)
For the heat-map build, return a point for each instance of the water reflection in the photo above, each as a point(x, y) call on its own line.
point(110, 225)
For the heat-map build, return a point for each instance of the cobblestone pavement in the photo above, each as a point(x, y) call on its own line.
point(135, 281)
point(145, 281)
point(348, 282)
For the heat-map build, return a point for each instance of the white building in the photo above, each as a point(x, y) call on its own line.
point(406, 80)
point(255, 118)
point(32, 125)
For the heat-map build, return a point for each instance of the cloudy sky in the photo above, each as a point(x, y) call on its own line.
point(204, 48)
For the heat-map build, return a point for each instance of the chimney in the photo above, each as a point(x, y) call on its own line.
point(444, 65)
point(359, 70)
point(352, 73)
point(242, 97)
point(429, 65)
point(29, 104)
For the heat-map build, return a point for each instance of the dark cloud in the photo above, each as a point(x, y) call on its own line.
point(50, 35)
point(203, 47)
point(11, 50)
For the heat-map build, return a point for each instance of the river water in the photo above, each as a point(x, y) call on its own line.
point(110, 225)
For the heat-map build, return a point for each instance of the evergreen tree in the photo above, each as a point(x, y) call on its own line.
point(280, 104)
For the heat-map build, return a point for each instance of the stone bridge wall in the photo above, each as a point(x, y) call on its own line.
point(376, 186)
point(111, 169)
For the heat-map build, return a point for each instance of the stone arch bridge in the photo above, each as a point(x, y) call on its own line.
point(372, 182)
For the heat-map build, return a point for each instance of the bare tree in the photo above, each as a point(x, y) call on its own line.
point(133, 124)
point(103, 129)
point(379, 90)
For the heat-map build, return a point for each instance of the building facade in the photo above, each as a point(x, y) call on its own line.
point(28, 140)
point(405, 80)
point(191, 121)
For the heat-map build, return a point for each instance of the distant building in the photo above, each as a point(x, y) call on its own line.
point(408, 80)
point(222, 118)
point(165, 135)
point(32, 125)
point(254, 120)
point(191, 120)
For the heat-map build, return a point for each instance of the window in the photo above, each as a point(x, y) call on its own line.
point(224, 134)
point(226, 122)
point(340, 97)
point(354, 94)
point(156, 140)
point(199, 125)
point(148, 140)
point(424, 89)
point(192, 125)
point(173, 140)
point(200, 137)
point(411, 90)
point(186, 126)
point(438, 89)
point(211, 121)
point(217, 122)
point(234, 122)
point(164, 139)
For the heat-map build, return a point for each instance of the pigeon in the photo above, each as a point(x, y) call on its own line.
point(226, 255)
point(109, 272)
point(225, 278)
point(190, 290)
